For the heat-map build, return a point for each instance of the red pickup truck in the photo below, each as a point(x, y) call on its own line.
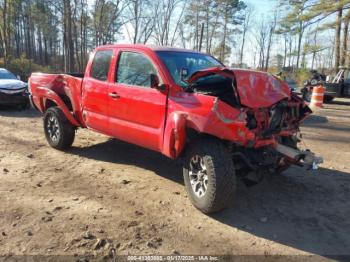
point(228, 124)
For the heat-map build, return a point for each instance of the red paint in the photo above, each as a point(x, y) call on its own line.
point(159, 120)
point(256, 89)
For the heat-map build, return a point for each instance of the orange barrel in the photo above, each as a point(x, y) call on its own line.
point(317, 96)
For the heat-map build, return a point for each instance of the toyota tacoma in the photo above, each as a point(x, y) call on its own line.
point(225, 124)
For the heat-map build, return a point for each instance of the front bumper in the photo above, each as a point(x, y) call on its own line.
point(13, 99)
point(304, 158)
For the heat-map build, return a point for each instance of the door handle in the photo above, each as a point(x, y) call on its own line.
point(113, 95)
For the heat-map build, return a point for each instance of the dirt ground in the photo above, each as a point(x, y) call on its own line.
point(106, 197)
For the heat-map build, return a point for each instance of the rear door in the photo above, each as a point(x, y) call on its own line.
point(95, 91)
point(137, 111)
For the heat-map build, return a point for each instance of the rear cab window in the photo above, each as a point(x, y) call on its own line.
point(101, 64)
point(134, 69)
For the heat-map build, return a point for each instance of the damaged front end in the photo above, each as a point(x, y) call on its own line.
point(273, 116)
point(277, 134)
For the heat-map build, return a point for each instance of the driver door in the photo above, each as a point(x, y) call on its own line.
point(136, 111)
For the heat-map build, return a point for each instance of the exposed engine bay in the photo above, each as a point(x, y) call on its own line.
point(219, 86)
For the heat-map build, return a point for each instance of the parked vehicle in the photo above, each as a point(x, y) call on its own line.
point(339, 86)
point(228, 124)
point(292, 85)
point(13, 91)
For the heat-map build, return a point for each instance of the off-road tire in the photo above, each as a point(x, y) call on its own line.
point(222, 181)
point(66, 129)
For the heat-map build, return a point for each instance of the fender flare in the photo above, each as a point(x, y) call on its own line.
point(47, 94)
point(174, 135)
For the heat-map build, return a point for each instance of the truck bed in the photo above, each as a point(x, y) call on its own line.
point(66, 86)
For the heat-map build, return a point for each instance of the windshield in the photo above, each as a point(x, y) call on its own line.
point(186, 62)
point(4, 74)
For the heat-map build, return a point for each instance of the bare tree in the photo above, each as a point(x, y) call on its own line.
point(230, 10)
point(344, 52)
point(271, 30)
point(245, 27)
point(165, 14)
point(5, 32)
point(337, 38)
point(68, 35)
point(261, 36)
point(141, 18)
point(107, 19)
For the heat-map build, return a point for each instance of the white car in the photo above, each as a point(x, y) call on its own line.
point(13, 91)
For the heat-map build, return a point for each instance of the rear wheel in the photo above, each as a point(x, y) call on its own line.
point(59, 132)
point(209, 175)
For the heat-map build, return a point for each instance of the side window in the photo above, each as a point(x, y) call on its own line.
point(100, 64)
point(135, 69)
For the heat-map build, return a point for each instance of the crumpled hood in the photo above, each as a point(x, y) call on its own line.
point(12, 86)
point(256, 89)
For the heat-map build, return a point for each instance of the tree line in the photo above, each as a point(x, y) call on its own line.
point(59, 34)
point(306, 20)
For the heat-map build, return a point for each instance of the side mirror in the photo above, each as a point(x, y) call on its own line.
point(156, 84)
point(18, 77)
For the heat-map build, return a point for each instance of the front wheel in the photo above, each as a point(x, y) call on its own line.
point(209, 175)
point(59, 132)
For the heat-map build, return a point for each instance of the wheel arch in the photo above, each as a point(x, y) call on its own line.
point(178, 133)
point(49, 103)
point(49, 98)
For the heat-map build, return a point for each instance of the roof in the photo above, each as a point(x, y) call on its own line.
point(150, 47)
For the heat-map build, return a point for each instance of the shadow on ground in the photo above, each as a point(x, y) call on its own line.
point(9, 111)
point(321, 122)
point(315, 120)
point(115, 151)
point(306, 210)
point(341, 103)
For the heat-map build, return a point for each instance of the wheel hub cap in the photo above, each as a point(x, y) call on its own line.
point(198, 176)
point(53, 128)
